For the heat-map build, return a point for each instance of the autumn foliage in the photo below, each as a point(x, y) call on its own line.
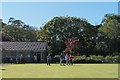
point(71, 43)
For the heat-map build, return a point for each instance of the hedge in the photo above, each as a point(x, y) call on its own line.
point(91, 59)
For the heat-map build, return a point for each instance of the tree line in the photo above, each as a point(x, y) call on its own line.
point(102, 39)
point(16, 30)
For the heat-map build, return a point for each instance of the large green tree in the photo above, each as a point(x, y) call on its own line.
point(110, 29)
point(16, 30)
point(59, 29)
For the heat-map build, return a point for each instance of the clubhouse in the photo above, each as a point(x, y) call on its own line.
point(28, 51)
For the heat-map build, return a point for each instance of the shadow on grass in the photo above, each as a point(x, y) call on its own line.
point(3, 69)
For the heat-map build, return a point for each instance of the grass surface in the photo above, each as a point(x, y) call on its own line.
point(57, 71)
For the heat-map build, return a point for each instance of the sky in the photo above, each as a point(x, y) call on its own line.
point(60, 0)
point(38, 13)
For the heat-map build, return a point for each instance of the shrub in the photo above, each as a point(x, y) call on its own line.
point(111, 59)
point(56, 59)
point(90, 59)
point(95, 59)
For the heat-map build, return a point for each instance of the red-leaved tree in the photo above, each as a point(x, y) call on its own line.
point(71, 44)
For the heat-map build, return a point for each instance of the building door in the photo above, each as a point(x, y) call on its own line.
point(38, 57)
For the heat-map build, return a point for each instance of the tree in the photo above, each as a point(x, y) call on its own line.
point(73, 45)
point(16, 30)
point(59, 29)
point(110, 29)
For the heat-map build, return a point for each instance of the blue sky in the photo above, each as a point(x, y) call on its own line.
point(38, 13)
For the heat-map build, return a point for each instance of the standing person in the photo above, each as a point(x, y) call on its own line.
point(35, 58)
point(71, 60)
point(21, 58)
point(17, 59)
point(11, 60)
point(67, 58)
point(48, 59)
point(62, 59)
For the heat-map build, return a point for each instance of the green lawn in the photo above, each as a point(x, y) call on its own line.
point(57, 71)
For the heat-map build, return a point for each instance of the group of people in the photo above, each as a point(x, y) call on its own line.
point(65, 59)
point(20, 59)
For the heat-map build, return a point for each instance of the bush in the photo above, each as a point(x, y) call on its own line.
point(111, 59)
point(56, 59)
point(90, 59)
point(95, 59)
